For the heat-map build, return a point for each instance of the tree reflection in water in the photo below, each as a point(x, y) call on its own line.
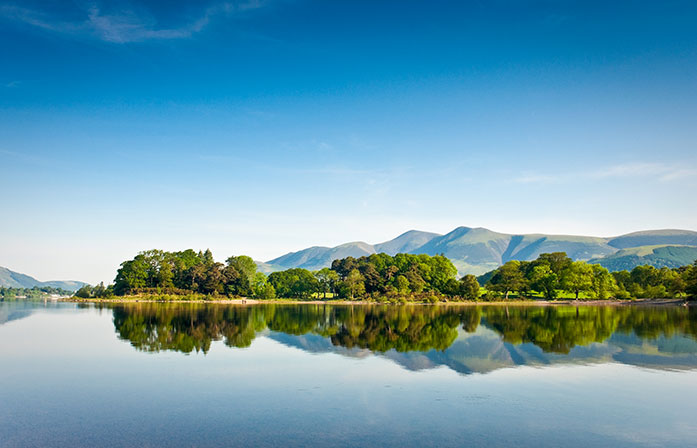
point(189, 327)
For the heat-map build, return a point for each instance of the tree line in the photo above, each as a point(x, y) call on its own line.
point(378, 276)
point(381, 277)
point(555, 273)
point(34, 293)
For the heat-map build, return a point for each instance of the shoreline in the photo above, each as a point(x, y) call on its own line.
point(516, 302)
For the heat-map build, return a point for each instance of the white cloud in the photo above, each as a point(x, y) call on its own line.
point(629, 170)
point(650, 171)
point(124, 25)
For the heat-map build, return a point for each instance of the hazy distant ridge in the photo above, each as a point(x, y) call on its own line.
point(12, 279)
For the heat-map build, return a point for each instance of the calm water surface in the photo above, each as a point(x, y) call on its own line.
point(291, 375)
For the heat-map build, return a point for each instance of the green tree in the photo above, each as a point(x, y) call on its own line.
point(327, 280)
point(469, 287)
point(507, 278)
point(544, 280)
point(558, 262)
point(355, 284)
point(402, 284)
point(691, 281)
point(603, 283)
point(245, 266)
point(577, 278)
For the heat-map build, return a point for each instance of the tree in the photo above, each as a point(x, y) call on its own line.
point(507, 278)
point(212, 280)
point(262, 288)
point(327, 280)
point(132, 276)
point(245, 266)
point(577, 277)
point(296, 282)
point(691, 281)
point(416, 281)
point(469, 287)
point(402, 284)
point(603, 283)
point(544, 280)
point(84, 293)
point(557, 261)
point(354, 283)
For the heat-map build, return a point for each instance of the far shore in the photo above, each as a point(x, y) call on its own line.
point(516, 302)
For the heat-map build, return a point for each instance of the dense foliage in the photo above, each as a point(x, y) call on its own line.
point(35, 293)
point(381, 277)
point(553, 273)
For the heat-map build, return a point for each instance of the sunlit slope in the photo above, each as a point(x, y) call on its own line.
point(657, 255)
point(673, 237)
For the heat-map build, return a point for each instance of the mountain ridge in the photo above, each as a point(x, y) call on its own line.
point(12, 279)
point(476, 250)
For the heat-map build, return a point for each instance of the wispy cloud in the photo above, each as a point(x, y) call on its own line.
point(652, 171)
point(125, 24)
point(630, 170)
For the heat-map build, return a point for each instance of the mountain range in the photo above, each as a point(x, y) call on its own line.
point(12, 279)
point(479, 250)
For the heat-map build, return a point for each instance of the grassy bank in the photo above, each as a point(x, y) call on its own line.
point(201, 298)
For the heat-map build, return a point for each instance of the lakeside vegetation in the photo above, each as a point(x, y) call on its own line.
point(191, 275)
point(35, 293)
point(554, 274)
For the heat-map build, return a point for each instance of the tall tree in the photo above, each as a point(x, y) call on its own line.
point(544, 280)
point(507, 278)
point(577, 278)
point(327, 280)
point(469, 287)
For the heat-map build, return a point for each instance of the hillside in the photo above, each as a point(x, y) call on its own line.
point(12, 279)
point(479, 250)
point(655, 237)
point(406, 242)
point(318, 257)
point(656, 255)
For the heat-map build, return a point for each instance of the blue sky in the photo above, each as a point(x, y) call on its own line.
point(261, 127)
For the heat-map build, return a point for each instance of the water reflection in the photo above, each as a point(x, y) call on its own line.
point(19, 309)
point(466, 339)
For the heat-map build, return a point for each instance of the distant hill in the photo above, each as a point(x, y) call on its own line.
point(655, 237)
point(657, 255)
point(406, 242)
point(317, 257)
point(12, 279)
point(479, 250)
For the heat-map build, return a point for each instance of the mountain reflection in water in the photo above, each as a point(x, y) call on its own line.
point(466, 339)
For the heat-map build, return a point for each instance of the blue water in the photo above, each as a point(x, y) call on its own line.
point(215, 375)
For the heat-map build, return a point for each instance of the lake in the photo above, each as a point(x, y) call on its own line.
point(149, 374)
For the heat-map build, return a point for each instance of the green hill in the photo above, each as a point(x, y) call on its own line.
point(657, 255)
point(655, 237)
